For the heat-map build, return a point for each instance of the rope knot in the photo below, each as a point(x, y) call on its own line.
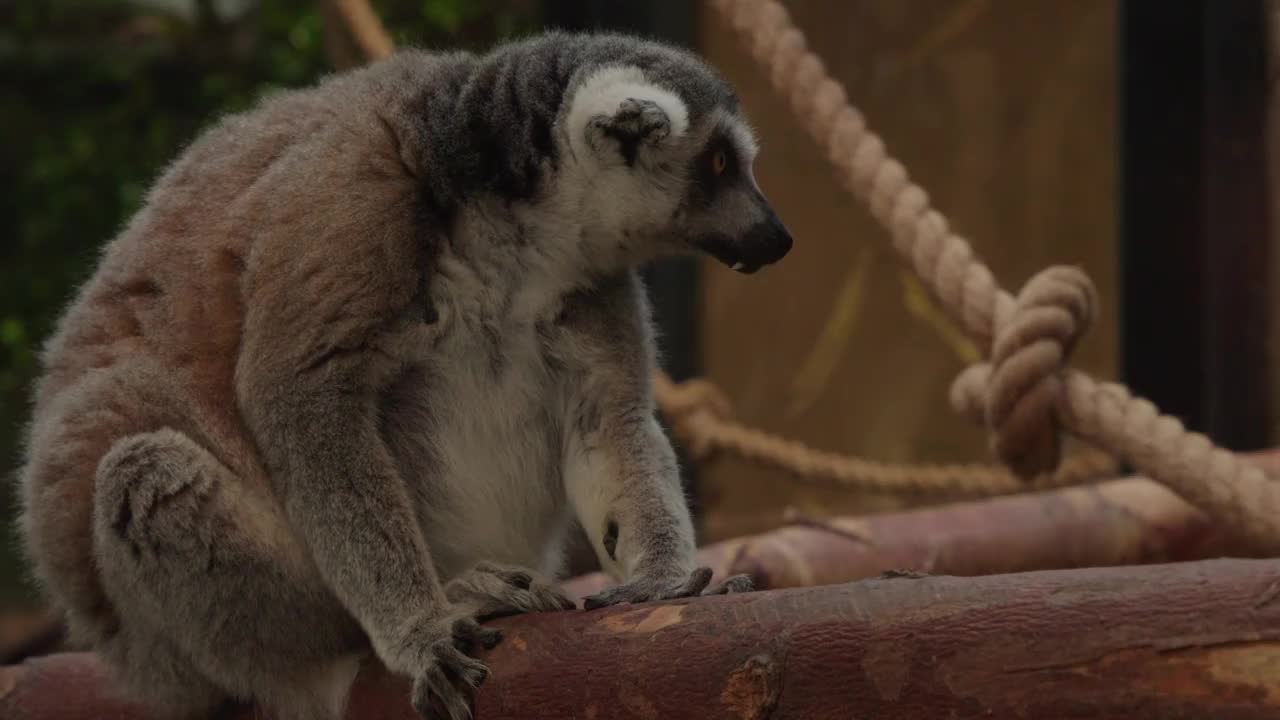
point(1015, 393)
point(693, 408)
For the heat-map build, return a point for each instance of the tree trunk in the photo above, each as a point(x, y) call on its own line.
point(1188, 640)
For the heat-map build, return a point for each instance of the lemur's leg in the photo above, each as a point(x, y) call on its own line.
point(149, 668)
point(215, 597)
point(630, 501)
point(324, 336)
point(621, 473)
point(494, 589)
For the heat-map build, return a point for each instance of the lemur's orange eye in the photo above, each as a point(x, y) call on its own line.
point(719, 162)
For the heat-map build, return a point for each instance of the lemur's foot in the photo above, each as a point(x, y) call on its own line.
point(446, 677)
point(645, 589)
point(493, 590)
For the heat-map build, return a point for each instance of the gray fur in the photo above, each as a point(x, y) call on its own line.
point(344, 382)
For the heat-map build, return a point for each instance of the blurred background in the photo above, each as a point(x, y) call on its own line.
point(1130, 138)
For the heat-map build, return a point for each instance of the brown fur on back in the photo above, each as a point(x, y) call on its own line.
point(152, 339)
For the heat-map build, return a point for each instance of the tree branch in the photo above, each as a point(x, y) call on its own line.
point(1188, 640)
point(1131, 521)
point(365, 28)
point(1121, 522)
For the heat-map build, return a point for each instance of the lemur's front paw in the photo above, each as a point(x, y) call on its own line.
point(645, 589)
point(732, 585)
point(447, 676)
point(492, 590)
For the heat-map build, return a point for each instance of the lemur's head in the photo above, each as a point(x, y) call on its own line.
point(663, 159)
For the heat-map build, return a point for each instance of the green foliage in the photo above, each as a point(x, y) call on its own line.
point(96, 96)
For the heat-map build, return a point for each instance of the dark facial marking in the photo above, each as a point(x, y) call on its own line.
point(717, 169)
point(707, 182)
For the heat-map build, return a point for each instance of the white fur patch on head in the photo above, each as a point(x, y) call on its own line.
point(605, 89)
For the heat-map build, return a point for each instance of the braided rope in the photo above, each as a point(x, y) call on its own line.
point(700, 418)
point(1024, 392)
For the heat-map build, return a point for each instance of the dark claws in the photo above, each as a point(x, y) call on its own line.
point(489, 638)
point(733, 585)
point(601, 599)
point(444, 688)
point(697, 582)
point(510, 575)
point(444, 684)
point(467, 632)
point(645, 590)
point(465, 668)
point(494, 590)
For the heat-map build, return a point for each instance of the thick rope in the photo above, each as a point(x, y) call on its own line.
point(1024, 392)
point(700, 418)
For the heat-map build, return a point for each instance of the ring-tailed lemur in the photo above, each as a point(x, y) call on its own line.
point(367, 350)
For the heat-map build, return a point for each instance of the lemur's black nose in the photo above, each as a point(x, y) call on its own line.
point(767, 242)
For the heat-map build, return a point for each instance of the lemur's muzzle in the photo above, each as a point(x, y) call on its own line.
point(764, 243)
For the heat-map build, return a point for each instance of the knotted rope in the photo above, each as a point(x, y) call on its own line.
point(1025, 392)
point(1014, 393)
point(701, 418)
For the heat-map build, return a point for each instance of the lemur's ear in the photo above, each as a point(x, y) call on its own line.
point(616, 113)
point(636, 121)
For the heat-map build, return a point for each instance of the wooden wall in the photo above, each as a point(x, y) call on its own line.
point(1004, 110)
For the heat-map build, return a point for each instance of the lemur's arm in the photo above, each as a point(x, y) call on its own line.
point(621, 473)
point(329, 287)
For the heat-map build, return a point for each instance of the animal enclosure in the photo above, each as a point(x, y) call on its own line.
point(1092, 554)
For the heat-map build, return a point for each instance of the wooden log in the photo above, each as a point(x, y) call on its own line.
point(28, 632)
point(1121, 522)
point(1187, 640)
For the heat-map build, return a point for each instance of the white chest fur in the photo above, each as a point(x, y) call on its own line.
point(477, 435)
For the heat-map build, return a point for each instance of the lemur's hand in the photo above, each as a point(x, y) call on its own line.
point(446, 676)
point(493, 590)
point(648, 587)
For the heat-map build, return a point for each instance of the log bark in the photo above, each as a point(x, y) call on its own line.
point(1121, 522)
point(1187, 640)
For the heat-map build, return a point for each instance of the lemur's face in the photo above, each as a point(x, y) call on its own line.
point(722, 211)
point(660, 181)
